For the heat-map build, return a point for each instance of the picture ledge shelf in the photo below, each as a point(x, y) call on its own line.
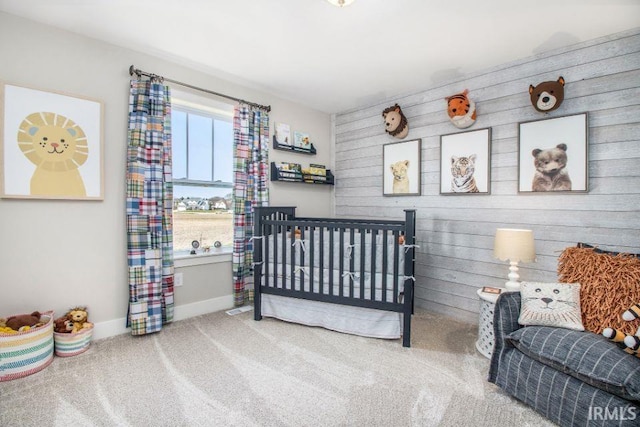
point(291, 148)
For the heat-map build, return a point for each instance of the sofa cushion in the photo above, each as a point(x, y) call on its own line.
point(551, 304)
point(584, 355)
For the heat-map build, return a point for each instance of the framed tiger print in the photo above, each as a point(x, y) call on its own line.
point(552, 155)
point(401, 163)
point(50, 145)
point(465, 163)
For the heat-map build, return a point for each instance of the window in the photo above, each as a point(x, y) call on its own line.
point(202, 143)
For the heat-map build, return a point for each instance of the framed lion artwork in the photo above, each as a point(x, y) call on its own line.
point(51, 145)
point(401, 168)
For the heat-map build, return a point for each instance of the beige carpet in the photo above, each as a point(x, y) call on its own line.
point(221, 370)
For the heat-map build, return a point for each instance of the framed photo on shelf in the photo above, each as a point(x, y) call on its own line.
point(465, 162)
point(552, 155)
point(401, 163)
point(50, 145)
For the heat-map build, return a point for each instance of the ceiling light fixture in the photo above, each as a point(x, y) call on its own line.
point(340, 3)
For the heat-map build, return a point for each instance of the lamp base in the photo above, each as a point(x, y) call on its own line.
point(513, 285)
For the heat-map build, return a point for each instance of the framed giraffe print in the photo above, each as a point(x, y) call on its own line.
point(465, 163)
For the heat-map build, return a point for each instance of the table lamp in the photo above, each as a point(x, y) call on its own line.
point(516, 246)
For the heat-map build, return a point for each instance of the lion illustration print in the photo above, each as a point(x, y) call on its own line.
point(399, 170)
point(58, 147)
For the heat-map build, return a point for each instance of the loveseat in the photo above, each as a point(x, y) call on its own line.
point(573, 378)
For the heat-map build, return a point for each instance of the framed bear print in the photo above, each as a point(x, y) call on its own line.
point(50, 145)
point(552, 155)
point(401, 168)
point(465, 160)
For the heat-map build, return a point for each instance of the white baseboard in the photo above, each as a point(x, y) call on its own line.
point(115, 327)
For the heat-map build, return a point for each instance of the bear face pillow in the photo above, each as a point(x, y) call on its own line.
point(551, 304)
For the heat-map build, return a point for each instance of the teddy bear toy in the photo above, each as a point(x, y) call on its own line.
point(395, 123)
point(551, 169)
point(547, 96)
point(63, 325)
point(23, 322)
point(461, 110)
point(629, 343)
point(79, 317)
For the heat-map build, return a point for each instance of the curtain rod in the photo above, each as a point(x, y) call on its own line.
point(139, 73)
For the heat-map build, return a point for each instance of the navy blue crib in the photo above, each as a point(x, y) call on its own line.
point(353, 262)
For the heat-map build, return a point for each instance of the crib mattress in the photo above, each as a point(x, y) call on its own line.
point(360, 321)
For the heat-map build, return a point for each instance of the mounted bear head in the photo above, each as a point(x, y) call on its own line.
point(547, 96)
point(461, 110)
point(395, 123)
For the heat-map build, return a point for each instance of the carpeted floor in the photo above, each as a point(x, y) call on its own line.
point(221, 370)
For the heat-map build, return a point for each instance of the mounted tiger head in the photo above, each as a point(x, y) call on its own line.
point(461, 110)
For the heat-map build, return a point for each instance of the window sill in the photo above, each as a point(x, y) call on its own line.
point(184, 259)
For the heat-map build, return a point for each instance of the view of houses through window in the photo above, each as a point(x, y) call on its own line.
point(202, 138)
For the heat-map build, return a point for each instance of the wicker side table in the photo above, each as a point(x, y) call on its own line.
point(484, 344)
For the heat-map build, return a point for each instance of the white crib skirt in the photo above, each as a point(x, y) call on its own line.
point(361, 321)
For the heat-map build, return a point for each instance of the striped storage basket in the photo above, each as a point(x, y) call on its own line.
point(68, 344)
point(28, 352)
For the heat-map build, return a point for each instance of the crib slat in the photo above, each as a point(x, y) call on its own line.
point(352, 260)
point(396, 265)
point(341, 264)
point(363, 254)
point(312, 275)
point(374, 237)
point(321, 260)
point(331, 252)
point(385, 262)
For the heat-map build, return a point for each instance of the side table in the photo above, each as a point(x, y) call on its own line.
point(484, 344)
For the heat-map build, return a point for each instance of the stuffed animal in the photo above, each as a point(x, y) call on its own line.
point(461, 110)
point(23, 322)
point(629, 343)
point(63, 325)
point(395, 123)
point(551, 169)
point(79, 317)
point(4, 329)
point(547, 96)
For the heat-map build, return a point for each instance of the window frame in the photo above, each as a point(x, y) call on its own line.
point(205, 107)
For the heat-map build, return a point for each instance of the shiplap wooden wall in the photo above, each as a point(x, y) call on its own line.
point(455, 232)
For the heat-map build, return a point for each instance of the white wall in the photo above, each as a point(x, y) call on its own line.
point(57, 254)
point(455, 232)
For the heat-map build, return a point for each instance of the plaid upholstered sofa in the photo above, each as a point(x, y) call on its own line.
point(572, 378)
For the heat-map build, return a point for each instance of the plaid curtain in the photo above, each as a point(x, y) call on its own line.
point(149, 207)
point(250, 189)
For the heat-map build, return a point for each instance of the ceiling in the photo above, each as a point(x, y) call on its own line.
point(334, 59)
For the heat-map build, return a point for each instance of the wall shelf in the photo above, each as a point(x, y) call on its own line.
point(292, 149)
point(292, 176)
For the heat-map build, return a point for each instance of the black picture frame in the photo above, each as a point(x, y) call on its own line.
point(557, 137)
point(475, 147)
point(401, 168)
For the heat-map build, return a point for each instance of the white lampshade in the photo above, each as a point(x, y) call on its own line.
point(514, 245)
point(341, 3)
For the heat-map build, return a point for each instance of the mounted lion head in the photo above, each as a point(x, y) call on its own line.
point(395, 122)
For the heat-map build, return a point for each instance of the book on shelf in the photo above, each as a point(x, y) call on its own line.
point(301, 141)
point(282, 134)
point(289, 170)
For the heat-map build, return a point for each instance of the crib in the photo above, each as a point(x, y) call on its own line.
point(342, 271)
